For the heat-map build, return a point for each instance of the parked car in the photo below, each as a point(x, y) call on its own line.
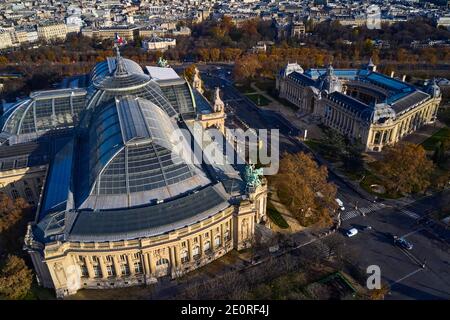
point(351, 232)
point(403, 243)
point(340, 204)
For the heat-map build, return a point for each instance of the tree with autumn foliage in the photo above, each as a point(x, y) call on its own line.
point(303, 187)
point(189, 72)
point(11, 211)
point(379, 294)
point(246, 67)
point(231, 54)
point(405, 168)
point(15, 278)
point(214, 54)
point(204, 54)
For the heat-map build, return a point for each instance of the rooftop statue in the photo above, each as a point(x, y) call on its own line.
point(218, 103)
point(197, 82)
point(253, 176)
point(162, 62)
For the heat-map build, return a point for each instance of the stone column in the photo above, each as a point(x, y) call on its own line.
point(130, 264)
point(211, 238)
point(177, 254)
point(117, 266)
point(146, 264)
point(394, 134)
point(152, 263)
point(89, 267)
point(101, 260)
point(189, 249)
point(201, 244)
point(173, 263)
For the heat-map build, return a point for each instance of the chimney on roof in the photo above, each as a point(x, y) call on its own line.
point(404, 78)
point(392, 74)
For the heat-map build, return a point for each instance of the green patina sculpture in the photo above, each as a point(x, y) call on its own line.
point(161, 62)
point(252, 175)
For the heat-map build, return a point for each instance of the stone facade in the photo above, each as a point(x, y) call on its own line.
point(52, 32)
point(23, 183)
point(70, 266)
point(364, 105)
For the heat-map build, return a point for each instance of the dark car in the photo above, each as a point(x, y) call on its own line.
point(403, 243)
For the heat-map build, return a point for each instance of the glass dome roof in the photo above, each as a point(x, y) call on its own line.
point(130, 159)
point(119, 77)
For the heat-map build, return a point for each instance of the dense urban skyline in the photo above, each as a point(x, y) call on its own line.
point(265, 150)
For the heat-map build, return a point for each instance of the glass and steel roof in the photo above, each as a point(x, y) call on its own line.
point(45, 110)
point(132, 160)
point(181, 97)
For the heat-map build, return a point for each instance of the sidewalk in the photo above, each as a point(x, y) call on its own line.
point(289, 114)
point(424, 133)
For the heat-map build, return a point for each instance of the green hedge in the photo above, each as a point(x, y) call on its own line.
point(276, 217)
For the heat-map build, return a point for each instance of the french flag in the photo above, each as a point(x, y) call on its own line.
point(119, 40)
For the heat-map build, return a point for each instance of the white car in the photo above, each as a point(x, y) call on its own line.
point(340, 204)
point(351, 232)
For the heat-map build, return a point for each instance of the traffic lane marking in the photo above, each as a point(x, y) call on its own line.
point(406, 276)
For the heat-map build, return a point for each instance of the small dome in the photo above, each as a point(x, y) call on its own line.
point(329, 82)
point(291, 67)
point(382, 112)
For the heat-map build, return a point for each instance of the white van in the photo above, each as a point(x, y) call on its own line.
point(340, 204)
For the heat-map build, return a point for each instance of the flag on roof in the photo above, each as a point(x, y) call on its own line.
point(119, 40)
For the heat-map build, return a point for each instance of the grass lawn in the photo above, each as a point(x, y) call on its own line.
point(276, 217)
point(258, 99)
point(244, 88)
point(265, 85)
point(441, 135)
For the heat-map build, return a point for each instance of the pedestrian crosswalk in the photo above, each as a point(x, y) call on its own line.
point(410, 213)
point(360, 211)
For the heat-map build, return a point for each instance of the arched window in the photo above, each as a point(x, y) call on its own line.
point(217, 241)
point(29, 194)
point(97, 271)
point(207, 245)
point(110, 270)
point(125, 269)
point(196, 251)
point(184, 256)
point(15, 194)
point(84, 271)
point(138, 267)
point(162, 261)
point(377, 138)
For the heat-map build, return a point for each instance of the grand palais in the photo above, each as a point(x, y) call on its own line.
point(115, 204)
